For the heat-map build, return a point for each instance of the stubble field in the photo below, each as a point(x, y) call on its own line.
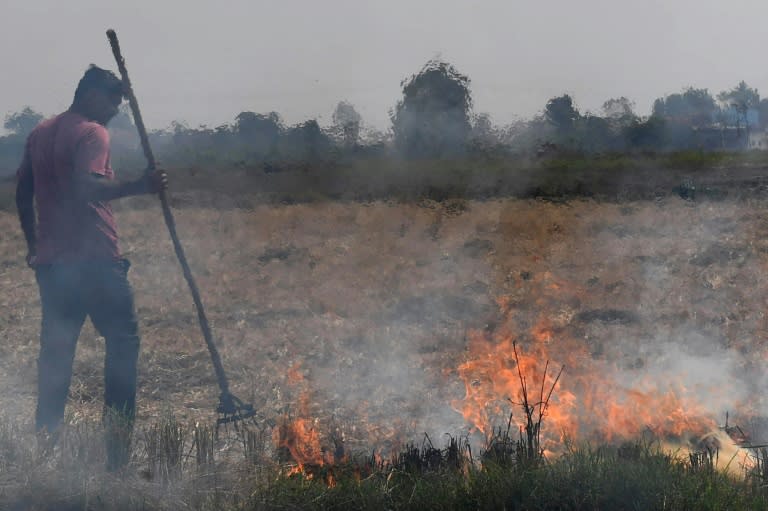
point(358, 316)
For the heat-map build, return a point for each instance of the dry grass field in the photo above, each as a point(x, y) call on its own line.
point(362, 317)
point(373, 323)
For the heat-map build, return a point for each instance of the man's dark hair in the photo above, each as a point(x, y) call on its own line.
point(98, 78)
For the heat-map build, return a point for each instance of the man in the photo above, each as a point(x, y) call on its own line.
point(73, 247)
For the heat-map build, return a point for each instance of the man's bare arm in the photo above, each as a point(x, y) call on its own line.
point(91, 187)
point(25, 206)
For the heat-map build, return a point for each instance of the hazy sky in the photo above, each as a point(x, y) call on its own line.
point(206, 61)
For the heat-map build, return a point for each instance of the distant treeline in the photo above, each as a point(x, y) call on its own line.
point(434, 119)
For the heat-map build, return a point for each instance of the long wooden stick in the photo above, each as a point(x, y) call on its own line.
point(226, 405)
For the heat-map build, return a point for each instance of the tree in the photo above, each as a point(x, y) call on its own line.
point(484, 133)
point(260, 131)
point(249, 124)
point(595, 134)
point(562, 113)
point(619, 116)
point(701, 105)
point(693, 107)
point(346, 123)
point(619, 108)
point(741, 99)
point(22, 123)
point(433, 118)
point(305, 141)
point(647, 134)
point(619, 112)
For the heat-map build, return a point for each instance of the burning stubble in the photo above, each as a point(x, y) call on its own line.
point(399, 318)
point(630, 308)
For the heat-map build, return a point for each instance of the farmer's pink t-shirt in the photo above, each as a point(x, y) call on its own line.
point(69, 230)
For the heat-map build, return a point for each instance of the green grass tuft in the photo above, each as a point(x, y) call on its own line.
point(632, 476)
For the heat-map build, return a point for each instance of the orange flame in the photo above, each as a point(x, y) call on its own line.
point(294, 374)
point(588, 402)
point(301, 439)
point(300, 436)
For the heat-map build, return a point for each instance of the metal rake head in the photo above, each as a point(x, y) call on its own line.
point(232, 409)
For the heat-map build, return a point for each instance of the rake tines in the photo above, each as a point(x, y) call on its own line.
point(233, 410)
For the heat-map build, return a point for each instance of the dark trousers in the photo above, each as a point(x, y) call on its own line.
point(69, 293)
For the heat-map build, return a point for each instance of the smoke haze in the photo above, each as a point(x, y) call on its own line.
point(204, 63)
